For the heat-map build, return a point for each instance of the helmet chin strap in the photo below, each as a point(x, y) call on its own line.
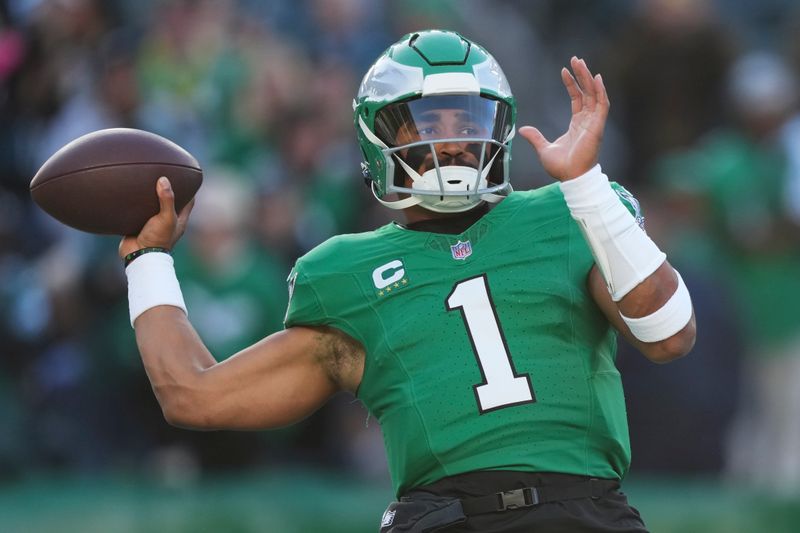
point(396, 204)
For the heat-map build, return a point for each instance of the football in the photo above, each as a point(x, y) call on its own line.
point(105, 182)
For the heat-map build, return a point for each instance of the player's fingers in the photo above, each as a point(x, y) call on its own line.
point(166, 198)
point(585, 82)
point(187, 209)
point(124, 245)
point(535, 137)
point(602, 94)
point(183, 216)
point(599, 114)
point(573, 90)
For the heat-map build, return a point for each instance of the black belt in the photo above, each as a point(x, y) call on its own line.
point(530, 496)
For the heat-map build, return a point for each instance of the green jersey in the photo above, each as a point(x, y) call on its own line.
point(484, 350)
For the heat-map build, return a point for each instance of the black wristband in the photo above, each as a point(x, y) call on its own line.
point(133, 255)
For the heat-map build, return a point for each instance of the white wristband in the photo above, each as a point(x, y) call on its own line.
point(667, 321)
point(152, 282)
point(623, 252)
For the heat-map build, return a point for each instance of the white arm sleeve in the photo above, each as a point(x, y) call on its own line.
point(624, 253)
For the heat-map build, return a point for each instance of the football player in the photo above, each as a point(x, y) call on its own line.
point(480, 332)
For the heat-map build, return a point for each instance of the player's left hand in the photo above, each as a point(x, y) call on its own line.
point(576, 151)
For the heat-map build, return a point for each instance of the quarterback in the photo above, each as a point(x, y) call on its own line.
point(480, 330)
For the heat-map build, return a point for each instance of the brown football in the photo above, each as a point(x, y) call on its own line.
point(105, 181)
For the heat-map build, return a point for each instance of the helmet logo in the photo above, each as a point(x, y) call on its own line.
point(461, 250)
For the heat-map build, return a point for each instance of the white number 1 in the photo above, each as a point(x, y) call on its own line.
point(501, 386)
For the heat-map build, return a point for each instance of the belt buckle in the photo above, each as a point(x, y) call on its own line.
point(516, 499)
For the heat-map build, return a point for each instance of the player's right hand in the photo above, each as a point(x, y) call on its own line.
point(163, 229)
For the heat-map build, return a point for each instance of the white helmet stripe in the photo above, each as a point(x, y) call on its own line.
point(450, 83)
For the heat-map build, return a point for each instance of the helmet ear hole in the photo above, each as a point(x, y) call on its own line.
point(366, 174)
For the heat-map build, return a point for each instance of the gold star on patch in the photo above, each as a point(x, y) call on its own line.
point(388, 289)
point(396, 285)
point(380, 293)
point(404, 281)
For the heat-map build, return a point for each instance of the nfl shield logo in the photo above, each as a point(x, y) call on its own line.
point(388, 518)
point(461, 250)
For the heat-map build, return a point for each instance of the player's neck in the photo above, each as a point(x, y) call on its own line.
point(421, 219)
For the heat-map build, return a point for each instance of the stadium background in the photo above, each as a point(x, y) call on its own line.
point(260, 93)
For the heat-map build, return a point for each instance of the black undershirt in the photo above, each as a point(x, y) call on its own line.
point(455, 224)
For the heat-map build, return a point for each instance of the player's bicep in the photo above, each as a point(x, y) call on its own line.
point(278, 381)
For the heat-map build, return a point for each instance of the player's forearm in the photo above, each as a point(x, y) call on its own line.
point(175, 359)
point(172, 352)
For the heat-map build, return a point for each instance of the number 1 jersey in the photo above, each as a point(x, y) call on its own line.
point(484, 350)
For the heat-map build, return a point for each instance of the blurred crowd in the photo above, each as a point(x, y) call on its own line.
point(704, 129)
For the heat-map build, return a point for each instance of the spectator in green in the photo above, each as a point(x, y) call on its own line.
point(742, 176)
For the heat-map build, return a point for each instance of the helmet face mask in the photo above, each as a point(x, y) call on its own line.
point(435, 118)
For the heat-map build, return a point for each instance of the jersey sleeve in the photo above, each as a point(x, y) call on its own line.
point(322, 299)
point(304, 306)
